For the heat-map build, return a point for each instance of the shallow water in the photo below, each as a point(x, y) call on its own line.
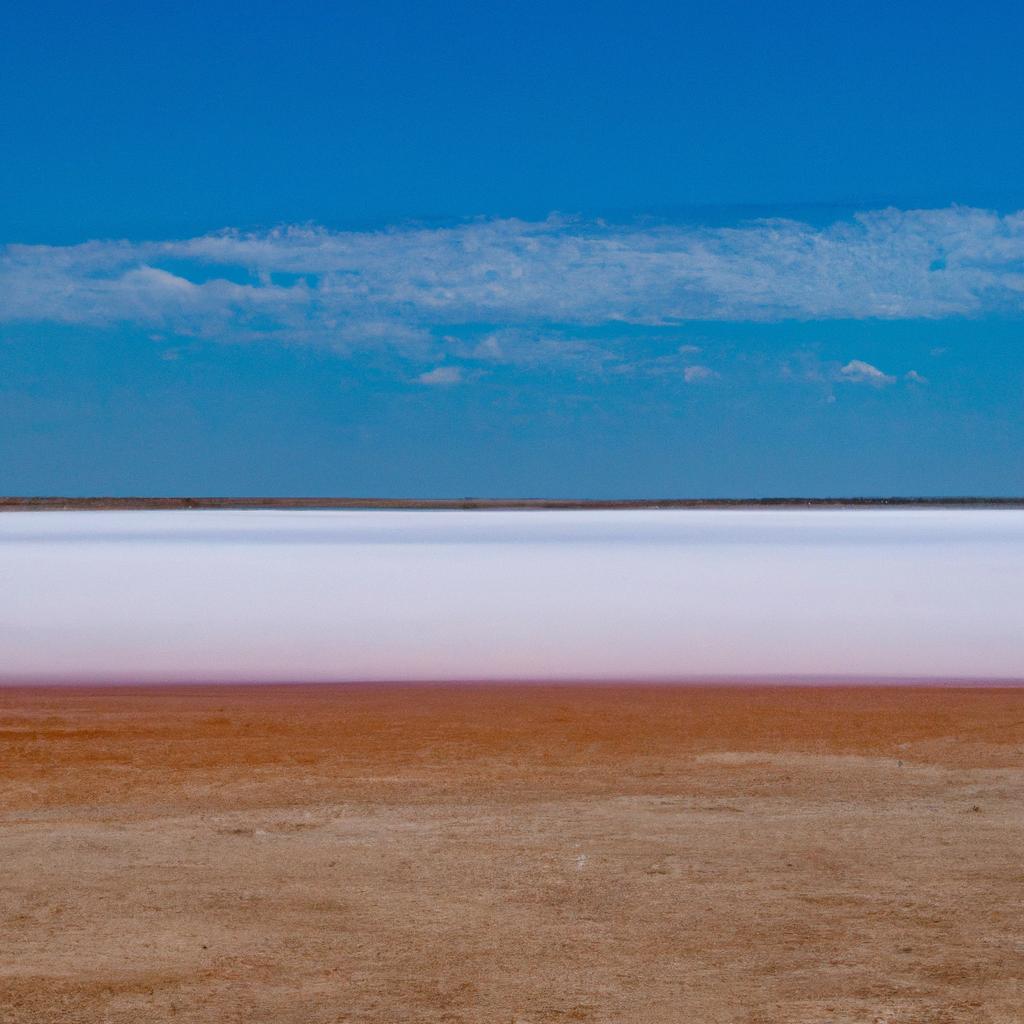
point(450, 595)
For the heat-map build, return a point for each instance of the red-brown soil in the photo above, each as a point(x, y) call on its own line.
point(314, 854)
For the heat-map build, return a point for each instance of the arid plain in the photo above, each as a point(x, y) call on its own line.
point(502, 853)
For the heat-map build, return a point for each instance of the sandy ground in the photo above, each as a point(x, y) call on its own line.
point(512, 854)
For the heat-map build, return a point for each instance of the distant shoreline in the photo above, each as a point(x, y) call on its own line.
point(696, 683)
point(96, 504)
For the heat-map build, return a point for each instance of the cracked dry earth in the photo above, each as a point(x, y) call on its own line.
point(507, 854)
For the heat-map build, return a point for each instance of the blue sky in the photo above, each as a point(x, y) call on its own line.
point(566, 249)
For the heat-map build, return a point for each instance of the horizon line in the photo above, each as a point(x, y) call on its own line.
point(16, 503)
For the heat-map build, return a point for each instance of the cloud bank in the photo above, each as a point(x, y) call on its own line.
point(294, 596)
point(406, 286)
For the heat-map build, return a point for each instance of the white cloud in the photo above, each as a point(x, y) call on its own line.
point(406, 286)
point(532, 347)
point(441, 375)
point(858, 372)
point(489, 348)
point(915, 377)
point(693, 374)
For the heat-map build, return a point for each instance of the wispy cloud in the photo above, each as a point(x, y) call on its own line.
point(697, 373)
point(441, 375)
point(411, 286)
point(856, 371)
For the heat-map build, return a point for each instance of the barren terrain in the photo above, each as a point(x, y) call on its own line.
point(309, 854)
